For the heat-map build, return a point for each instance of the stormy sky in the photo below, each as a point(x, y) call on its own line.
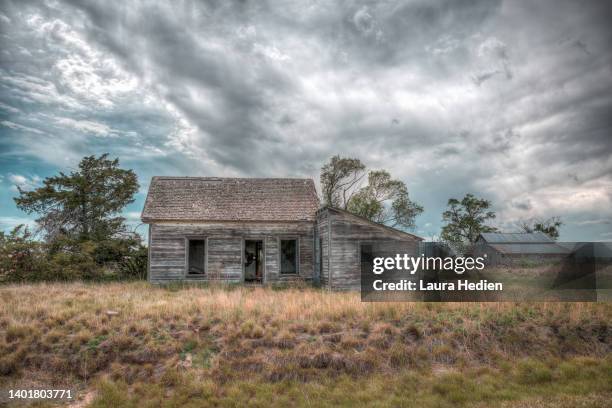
point(508, 100)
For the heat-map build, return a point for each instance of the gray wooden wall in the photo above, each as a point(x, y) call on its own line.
point(347, 234)
point(323, 234)
point(224, 249)
point(341, 235)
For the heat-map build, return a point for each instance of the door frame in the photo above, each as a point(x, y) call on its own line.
point(263, 251)
point(186, 274)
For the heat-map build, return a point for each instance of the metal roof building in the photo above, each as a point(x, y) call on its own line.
point(499, 245)
point(515, 238)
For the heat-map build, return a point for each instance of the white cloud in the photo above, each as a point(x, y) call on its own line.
point(366, 23)
point(492, 60)
point(23, 182)
point(9, 108)
point(271, 52)
point(90, 75)
point(443, 45)
point(17, 126)
point(31, 89)
point(8, 223)
point(87, 126)
point(492, 47)
point(599, 221)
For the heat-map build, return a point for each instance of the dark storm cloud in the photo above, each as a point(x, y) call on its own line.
point(522, 205)
point(195, 51)
point(503, 99)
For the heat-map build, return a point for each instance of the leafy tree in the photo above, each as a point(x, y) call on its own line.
point(382, 200)
point(385, 200)
point(549, 226)
point(85, 236)
point(466, 219)
point(340, 179)
point(83, 205)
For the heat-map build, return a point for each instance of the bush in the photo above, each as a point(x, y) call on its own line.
point(134, 264)
point(23, 259)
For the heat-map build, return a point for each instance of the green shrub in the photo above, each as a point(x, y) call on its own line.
point(21, 257)
point(133, 265)
point(24, 259)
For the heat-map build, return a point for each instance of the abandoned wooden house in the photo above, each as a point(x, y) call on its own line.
point(260, 230)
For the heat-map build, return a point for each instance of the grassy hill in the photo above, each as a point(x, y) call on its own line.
point(137, 345)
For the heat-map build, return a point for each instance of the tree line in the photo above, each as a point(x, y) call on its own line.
point(346, 183)
point(83, 236)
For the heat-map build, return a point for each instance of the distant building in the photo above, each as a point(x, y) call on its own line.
point(508, 248)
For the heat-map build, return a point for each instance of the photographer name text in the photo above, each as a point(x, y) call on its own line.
point(421, 285)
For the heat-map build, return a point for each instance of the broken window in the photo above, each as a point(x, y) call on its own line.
point(288, 256)
point(196, 256)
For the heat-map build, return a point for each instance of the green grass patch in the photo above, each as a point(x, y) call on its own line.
point(572, 380)
point(93, 343)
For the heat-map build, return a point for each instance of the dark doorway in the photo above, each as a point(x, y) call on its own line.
point(253, 261)
point(196, 255)
point(367, 259)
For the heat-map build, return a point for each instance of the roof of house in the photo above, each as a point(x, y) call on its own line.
point(230, 199)
point(515, 238)
point(377, 224)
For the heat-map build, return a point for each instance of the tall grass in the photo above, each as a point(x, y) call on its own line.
point(142, 301)
point(173, 337)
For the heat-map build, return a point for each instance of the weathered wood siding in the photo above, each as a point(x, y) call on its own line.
point(224, 259)
point(323, 233)
point(272, 259)
point(345, 267)
point(341, 235)
point(167, 249)
point(306, 255)
point(166, 255)
point(347, 234)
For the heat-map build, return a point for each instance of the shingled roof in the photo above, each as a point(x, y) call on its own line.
point(230, 199)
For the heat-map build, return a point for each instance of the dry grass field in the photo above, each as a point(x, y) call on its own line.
point(233, 346)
